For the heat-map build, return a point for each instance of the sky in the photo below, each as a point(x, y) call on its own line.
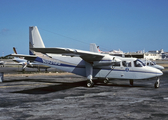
point(128, 25)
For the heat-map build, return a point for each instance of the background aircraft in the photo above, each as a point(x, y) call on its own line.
point(94, 48)
point(88, 64)
point(25, 63)
point(2, 63)
point(152, 64)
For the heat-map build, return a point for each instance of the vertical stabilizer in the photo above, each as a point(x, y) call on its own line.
point(35, 40)
point(93, 48)
point(14, 49)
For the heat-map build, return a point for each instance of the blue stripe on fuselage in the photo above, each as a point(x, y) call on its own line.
point(132, 71)
point(41, 60)
point(38, 59)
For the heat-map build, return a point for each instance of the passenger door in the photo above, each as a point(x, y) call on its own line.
point(126, 68)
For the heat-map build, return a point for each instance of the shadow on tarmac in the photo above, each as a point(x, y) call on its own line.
point(67, 85)
point(52, 88)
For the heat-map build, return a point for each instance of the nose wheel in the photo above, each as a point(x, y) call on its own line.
point(157, 83)
point(131, 82)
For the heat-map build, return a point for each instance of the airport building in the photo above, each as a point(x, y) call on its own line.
point(150, 55)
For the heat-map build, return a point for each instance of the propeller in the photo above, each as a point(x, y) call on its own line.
point(25, 64)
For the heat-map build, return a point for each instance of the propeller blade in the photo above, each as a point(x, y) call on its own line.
point(24, 65)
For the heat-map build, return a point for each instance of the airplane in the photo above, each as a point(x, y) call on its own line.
point(93, 48)
point(88, 64)
point(25, 63)
point(152, 64)
point(2, 63)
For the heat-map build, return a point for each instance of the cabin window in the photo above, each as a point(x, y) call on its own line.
point(126, 64)
point(116, 63)
point(129, 64)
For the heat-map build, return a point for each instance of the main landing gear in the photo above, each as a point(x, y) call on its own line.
point(131, 82)
point(157, 83)
point(90, 83)
point(89, 74)
point(106, 81)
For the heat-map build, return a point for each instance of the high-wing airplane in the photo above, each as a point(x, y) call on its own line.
point(88, 64)
point(93, 48)
point(25, 63)
point(2, 63)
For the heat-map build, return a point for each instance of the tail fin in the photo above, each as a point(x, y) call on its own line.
point(14, 49)
point(35, 40)
point(94, 48)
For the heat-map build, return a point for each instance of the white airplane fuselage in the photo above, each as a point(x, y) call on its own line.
point(88, 64)
point(77, 65)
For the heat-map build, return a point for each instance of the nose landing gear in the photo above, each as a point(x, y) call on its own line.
point(131, 82)
point(157, 83)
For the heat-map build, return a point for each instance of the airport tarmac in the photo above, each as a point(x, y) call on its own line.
point(64, 96)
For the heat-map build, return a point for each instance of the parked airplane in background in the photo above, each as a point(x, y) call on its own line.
point(25, 63)
point(152, 64)
point(88, 64)
point(93, 48)
point(2, 63)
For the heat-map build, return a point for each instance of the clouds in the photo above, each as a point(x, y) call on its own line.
point(4, 31)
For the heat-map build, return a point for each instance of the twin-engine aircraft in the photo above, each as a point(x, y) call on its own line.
point(88, 64)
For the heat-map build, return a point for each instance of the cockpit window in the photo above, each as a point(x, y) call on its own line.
point(138, 63)
point(116, 64)
point(153, 63)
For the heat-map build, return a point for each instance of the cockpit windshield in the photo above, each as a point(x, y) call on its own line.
point(138, 63)
point(153, 63)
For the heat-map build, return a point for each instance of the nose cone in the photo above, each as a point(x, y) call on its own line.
point(152, 72)
point(158, 72)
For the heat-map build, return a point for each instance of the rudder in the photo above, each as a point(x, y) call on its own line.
point(35, 40)
point(94, 48)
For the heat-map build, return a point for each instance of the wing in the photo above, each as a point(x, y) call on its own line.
point(27, 57)
point(86, 55)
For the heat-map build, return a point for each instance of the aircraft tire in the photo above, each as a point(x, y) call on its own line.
point(131, 82)
point(106, 81)
point(157, 84)
point(90, 84)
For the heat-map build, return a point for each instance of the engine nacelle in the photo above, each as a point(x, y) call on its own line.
point(106, 61)
point(102, 63)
